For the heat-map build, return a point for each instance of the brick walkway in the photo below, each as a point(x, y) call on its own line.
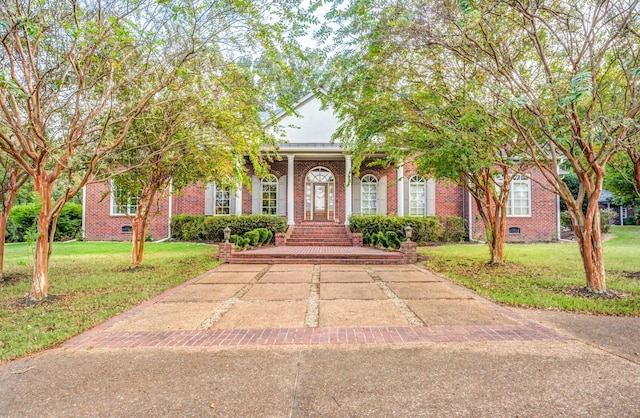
point(399, 305)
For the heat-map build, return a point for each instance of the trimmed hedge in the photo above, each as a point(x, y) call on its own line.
point(23, 220)
point(211, 228)
point(425, 229)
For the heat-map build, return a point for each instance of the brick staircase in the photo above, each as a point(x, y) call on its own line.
point(318, 243)
point(319, 234)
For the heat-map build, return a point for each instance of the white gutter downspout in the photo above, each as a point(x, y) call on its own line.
point(84, 209)
point(470, 207)
point(169, 213)
point(558, 225)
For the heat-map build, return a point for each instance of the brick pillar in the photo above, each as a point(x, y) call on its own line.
point(225, 251)
point(410, 251)
point(356, 239)
point(281, 239)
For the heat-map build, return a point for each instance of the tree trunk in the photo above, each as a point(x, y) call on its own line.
point(589, 239)
point(4, 216)
point(139, 232)
point(497, 244)
point(40, 287)
point(136, 258)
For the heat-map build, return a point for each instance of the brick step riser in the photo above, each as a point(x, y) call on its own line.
point(316, 261)
point(315, 256)
point(315, 244)
point(319, 241)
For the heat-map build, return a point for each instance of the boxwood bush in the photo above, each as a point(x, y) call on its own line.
point(23, 220)
point(425, 228)
point(211, 228)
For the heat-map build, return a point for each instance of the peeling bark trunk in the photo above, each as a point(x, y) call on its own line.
point(46, 230)
point(589, 237)
point(586, 227)
point(4, 216)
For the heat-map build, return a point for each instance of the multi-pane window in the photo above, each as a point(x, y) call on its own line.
point(519, 203)
point(122, 203)
point(269, 195)
point(417, 196)
point(369, 199)
point(222, 203)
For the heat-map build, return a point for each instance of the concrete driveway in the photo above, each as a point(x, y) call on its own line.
point(334, 341)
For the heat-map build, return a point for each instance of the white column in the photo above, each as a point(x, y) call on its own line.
point(290, 207)
point(239, 201)
point(347, 188)
point(400, 184)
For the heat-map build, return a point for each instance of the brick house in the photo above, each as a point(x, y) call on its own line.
point(309, 184)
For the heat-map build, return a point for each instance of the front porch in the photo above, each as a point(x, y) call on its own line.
point(312, 255)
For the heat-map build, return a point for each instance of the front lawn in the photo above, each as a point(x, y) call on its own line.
point(90, 282)
point(546, 275)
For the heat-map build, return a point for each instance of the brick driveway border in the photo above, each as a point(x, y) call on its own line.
point(523, 329)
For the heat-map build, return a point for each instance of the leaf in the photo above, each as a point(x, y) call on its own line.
point(581, 89)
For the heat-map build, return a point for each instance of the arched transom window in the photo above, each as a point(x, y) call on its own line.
point(369, 199)
point(417, 196)
point(269, 195)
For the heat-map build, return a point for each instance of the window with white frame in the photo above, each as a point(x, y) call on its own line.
point(519, 203)
point(417, 196)
point(222, 202)
point(122, 203)
point(269, 195)
point(369, 198)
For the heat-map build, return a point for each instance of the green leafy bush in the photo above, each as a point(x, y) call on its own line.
point(264, 235)
point(607, 217)
point(211, 228)
point(454, 229)
point(23, 222)
point(392, 240)
point(253, 237)
point(424, 229)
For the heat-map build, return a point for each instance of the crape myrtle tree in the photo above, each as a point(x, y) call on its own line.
point(407, 101)
point(75, 74)
point(199, 129)
point(555, 67)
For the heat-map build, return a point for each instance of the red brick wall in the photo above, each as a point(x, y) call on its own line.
point(100, 225)
point(450, 201)
point(540, 226)
point(189, 201)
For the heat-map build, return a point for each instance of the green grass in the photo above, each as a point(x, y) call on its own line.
point(92, 282)
point(546, 275)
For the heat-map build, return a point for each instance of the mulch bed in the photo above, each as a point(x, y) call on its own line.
point(583, 292)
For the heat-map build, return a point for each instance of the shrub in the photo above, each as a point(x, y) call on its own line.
point(454, 229)
point(607, 217)
point(264, 235)
point(253, 237)
point(366, 238)
point(23, 222)
point(425, 229)
point(234, 239)
point(392, 240)
point(381, 238)
point(630, 220)
point(211, 228)
point(565, 219)
point(269, 237)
